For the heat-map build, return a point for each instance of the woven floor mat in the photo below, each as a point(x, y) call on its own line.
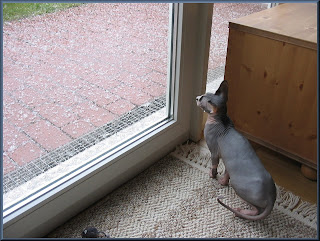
point(174, 198)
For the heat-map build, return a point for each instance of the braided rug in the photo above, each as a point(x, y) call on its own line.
point(175, 198)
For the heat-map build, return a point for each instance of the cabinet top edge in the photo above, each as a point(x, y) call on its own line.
point(290, 22)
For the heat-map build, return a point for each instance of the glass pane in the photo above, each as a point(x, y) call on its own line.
point(222, 14)
point(78, 82)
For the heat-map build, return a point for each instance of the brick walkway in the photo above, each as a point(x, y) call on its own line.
point(70, 72)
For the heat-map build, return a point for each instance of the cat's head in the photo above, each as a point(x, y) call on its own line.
point(214, 103)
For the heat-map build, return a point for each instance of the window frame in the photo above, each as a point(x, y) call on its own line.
point(190, 51)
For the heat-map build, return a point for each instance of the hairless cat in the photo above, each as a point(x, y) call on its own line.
point(248, 177)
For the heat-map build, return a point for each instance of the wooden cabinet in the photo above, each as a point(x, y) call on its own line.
point(271, 69)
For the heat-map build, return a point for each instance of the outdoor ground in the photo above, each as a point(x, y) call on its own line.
point(69, 72)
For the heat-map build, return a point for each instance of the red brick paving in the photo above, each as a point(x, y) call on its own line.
point(93, 114)
point(78, 128)
point(47, 135)
point(13, 138)
point(18, 115)
point(132, 93)
point(57, 114)
point(93, 93)
point(69, 72)
point(8, 164)
point(121, 106)
point(25, 153)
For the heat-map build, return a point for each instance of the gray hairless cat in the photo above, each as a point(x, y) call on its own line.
point(248, 177)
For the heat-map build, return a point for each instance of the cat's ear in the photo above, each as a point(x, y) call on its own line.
point(223, 90)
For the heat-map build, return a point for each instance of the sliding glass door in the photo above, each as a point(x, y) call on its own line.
point(76, 87)
point(93, 95)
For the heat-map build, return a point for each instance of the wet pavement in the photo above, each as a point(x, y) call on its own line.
point(67, 73)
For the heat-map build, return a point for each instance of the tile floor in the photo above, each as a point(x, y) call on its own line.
point(68, 73)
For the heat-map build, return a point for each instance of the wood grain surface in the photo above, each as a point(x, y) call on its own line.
point(273, 86)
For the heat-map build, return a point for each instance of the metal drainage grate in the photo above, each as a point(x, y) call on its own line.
point(61, 154)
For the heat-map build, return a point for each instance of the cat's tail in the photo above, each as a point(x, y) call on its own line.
point(262, 215)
